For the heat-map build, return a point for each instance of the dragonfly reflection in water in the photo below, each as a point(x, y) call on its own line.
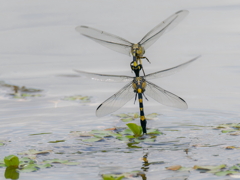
point(138, 85)
point(137, 50)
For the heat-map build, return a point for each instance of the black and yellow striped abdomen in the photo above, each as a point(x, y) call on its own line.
point(139, 85)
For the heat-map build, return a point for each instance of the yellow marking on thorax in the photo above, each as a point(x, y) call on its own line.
point(135, 63)
point(142, 118)
point(141, 109)
point(139, 90)
point(140, 100)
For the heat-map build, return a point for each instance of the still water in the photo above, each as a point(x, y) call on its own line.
point(40, 49)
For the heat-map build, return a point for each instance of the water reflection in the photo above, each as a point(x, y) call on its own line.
point(11, 173)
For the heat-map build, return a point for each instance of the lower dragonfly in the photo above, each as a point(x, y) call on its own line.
point(138, 86)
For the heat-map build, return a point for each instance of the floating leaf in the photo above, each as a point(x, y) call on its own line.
point(57, 141)
point(137, 130)
point(34, 152)
point(112, 177)
point(1, 144)
point(127, 119)
point(235, 167)
point(174, 168)
point(209, 168)
point(11, 160)
point(227, 131)
point(151, 116)
point(92, 140)
point(58, 161)
point(47, 165)
point(29, 168)
point(225, 173)
point(39, 134)
point(154, 131)
point(71, 163)
point(84, 99)
point(26, 160)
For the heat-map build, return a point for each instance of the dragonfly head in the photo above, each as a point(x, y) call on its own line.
point(137, 50)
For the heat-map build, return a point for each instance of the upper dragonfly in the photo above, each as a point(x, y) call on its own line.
point(137, 50)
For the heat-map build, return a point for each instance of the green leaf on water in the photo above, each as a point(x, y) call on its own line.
point(29, 168)
point(59, 161)
point(80, 98)
point(39, 134)
point(112, 177)
point(210, 168)
point(11, 160)
point(227, 131)
point(127, 119)
point(92, 139)
point(71, 163)
point(225, 173)
point(151, 116)
point(34, 152)
point(47, 165)
point(122, 115)
point(126, 131)
point(154, 131)
point(26, 160)
point(133, 145)
point(1, 144)
point(56, 161)
point(57, 141)
point(137, 130)
point(235, 167)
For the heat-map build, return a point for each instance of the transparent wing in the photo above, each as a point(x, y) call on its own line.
point(106, 39)
point(164, 97)
point(116, 101)
point(152, 36)
point(105, 77)
point(170, 71)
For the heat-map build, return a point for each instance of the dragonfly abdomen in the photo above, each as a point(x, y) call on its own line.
point(142, 116)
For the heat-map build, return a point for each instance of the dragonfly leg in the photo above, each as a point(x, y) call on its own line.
point(146, 59)
point(135, 98)
point(145, 97)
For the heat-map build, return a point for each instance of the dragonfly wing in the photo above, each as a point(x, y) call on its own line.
point(164, 97)
point(105, 77)
point(152, 36)
point(116, 101)
point(170, 71)
point(106, 39)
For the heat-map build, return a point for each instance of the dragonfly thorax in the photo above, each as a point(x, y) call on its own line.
point(137, 50)
point(139, 84)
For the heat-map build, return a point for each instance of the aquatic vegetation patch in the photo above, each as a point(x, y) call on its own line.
point(21, 92)
point(219, 170)
point(132, 116)
point(132, 135)
point(120, 176)
point(229, 128)
point(15, 165)
point(78, 98)
point(39, 134)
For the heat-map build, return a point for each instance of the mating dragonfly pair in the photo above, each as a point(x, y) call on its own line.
point(137, 85)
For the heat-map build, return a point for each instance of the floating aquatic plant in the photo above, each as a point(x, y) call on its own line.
point(132, 116)
point(218, 170)
point(230, 128)
point(78, 98)
point(129, 135)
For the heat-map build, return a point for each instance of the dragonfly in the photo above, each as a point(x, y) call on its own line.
point(138, 86)
point(122, 45)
